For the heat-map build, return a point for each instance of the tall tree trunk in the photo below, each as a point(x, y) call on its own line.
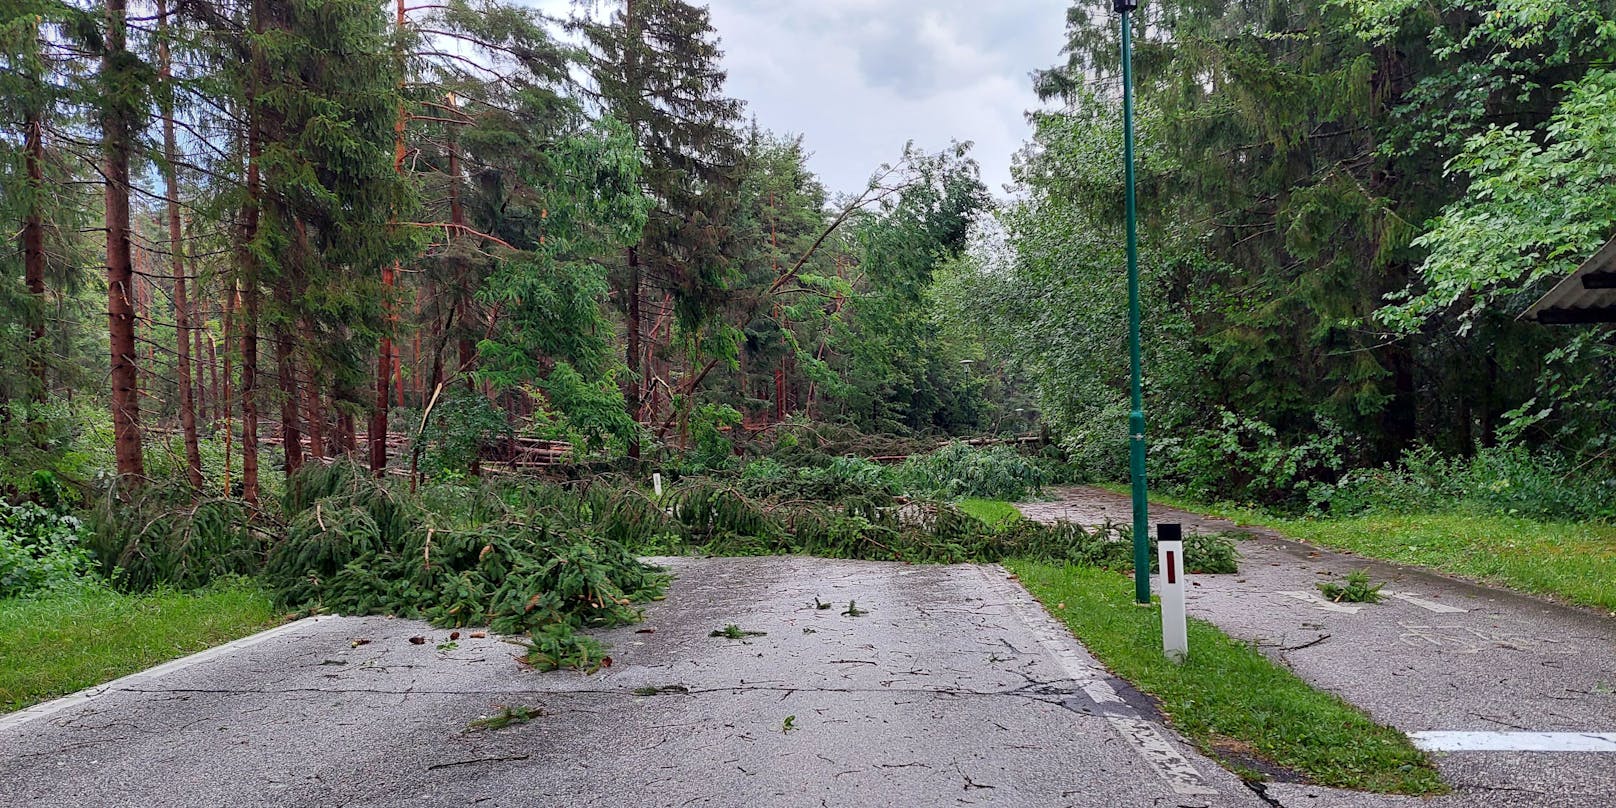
point(635, 352)
point(117, 129)
point(228, 322)
point(377, 434)
point(286, 372)
point(176, 251)
point(249, 265)
point(33, 254)
point(466, 350)
point(314, 415)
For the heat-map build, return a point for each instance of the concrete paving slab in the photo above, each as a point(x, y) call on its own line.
point(1442, 655)
point(955, 688)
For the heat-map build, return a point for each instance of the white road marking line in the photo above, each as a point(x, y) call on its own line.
point(1145, 736)
point(1430, 606)
point(88, 694)
point(1444, 741)
point(1172, 766)
point(1313, 599)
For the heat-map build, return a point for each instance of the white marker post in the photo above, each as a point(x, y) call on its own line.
point(656, 483)
point(1170, 557)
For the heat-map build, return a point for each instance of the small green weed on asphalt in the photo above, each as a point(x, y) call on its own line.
point(734, 632)
point(57, 644)
point(1357, 589)
point(1227, 695)
point(508, 716)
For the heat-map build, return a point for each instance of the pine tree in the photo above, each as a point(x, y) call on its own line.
point(656, 69)
point(122, 101)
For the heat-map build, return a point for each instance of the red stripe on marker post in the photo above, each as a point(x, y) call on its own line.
point(1172, 567)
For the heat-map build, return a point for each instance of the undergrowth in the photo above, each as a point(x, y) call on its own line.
point(550, 560)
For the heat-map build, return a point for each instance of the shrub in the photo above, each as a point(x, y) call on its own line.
point(1246, 460)
point(164, 536)
point(1505, 480)
point(961, 470)
point(40, 551)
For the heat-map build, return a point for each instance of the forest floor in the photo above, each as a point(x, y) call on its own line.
point(1512, 693)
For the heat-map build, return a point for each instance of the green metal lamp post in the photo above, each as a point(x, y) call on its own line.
point(1136, 414)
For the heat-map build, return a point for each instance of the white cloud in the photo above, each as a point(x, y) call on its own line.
point(859, 78)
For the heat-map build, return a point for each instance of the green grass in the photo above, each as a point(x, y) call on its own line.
point(1572, 561)
point(55, 645)
point(1228, 698)
point(1576, 562)
point(994, 512)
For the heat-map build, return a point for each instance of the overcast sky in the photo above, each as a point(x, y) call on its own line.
point(859, 78)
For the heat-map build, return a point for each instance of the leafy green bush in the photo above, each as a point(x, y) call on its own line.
point(458, 429)
point(40, 551)
point(1246, 460)
point(1511, 481)
point(961, 470)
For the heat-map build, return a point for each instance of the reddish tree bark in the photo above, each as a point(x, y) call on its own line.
point(176, 251)
point(286, 373)
point(33, 253)
point(117, 128)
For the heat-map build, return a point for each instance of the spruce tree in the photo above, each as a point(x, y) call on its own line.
point(656, 69)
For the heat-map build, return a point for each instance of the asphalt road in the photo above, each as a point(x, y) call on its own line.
point(956, 688)
point(1448, 661)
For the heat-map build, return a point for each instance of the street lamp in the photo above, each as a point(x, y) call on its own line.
point(1136, 414)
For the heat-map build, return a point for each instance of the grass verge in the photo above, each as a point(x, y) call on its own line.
point(1232, 701)
point(1576, 562)
point(58, 644)
point(1569, 560)
point(991, 511)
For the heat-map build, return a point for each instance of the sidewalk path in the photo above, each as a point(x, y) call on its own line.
point(1455, 664)
point(955, 689)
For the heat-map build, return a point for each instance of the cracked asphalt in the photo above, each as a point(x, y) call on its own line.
point(1457, 657)
point(955, 688)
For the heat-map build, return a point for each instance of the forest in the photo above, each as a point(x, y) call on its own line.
point(308, 290)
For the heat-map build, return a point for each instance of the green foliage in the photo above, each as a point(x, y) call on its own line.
point(711, 448)
point(460, 426)
point(1357, 589)
point(714, 517)
point(1246, 460)
point(1508, 481)
point(524, 559)
point(961, 470)
point(840, 479)
point(163, 536)
point(510, 715)
point(41, 551)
